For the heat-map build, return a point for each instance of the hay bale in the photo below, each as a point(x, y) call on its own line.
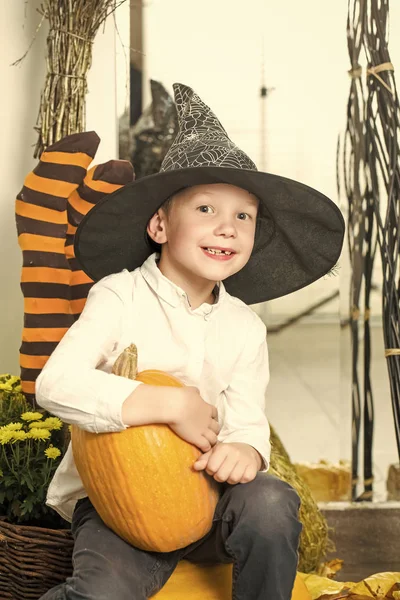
point(314, 540)
point(328, 482)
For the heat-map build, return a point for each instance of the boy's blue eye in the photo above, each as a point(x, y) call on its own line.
point(206, 208)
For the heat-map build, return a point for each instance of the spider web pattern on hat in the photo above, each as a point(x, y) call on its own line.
point(202, 140)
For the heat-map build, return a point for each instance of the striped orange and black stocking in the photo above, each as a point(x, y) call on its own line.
point(99, 181)
point(41, 218)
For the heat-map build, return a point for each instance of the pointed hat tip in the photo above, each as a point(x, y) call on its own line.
point(181, 86)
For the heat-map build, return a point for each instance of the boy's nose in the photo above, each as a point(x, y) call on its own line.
point(226, 228)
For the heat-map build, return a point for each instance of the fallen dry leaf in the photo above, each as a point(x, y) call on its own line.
point(377, 586)
point(330, 568)
point(342, 595)
point(363, 597)
point(381, 586)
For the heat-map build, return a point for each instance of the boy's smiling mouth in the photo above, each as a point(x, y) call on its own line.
point(218, 253)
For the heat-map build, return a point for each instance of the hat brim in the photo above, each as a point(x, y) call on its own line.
point(299, 233)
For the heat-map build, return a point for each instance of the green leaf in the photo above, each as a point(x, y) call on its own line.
point(30, 485)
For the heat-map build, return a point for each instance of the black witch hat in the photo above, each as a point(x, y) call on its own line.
point(299, 233)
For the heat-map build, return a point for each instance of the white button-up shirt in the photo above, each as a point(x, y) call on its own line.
point(220, 348)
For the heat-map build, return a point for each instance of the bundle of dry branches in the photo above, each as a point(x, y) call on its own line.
point(73, 25)
point(383, 151)
point(371, 171)
point(362, 246)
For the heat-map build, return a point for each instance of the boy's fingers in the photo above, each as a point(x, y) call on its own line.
point(211, 437)
point(202, 461)
point(215, 426)
point(204, 445)
point(199, 465)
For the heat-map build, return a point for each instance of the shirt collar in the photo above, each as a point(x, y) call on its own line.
point(172, 293)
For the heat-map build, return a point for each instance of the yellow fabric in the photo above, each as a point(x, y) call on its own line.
point(214, 582)
point(210, 582)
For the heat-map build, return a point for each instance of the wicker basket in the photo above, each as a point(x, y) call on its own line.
point(32, 560)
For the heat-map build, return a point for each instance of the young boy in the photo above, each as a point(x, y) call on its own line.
point(213, 218)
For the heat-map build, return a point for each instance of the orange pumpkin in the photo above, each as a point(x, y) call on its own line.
point(141, 480)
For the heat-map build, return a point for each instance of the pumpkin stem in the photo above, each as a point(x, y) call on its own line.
point(126, 363)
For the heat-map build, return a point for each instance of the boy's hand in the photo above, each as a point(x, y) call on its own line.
point(232, 462)
point(194, 419)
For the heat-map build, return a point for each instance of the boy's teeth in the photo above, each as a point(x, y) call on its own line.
point(213, 251)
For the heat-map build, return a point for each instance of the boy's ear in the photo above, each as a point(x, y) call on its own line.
point(156, 227)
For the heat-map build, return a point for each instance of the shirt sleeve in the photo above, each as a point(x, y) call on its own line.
point(70, 386)
point(244, 407)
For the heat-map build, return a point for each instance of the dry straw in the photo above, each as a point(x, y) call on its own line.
point(73, 25)
point(314, 540)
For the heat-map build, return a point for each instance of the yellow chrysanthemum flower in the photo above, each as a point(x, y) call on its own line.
point(31, 416)
point(7, 382)
point(53, 423)
point(70, 428)
point(19, 436)
point(10, 378)
point(38, 424)
point(11, 427)
point(52, 453)
point(39, 434)
point(5, 436)
point(6, 387)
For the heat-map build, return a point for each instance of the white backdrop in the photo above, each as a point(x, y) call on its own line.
point(19, 105)
point(222, 49)
point(216, 47)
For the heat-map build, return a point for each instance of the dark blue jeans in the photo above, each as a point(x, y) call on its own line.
point(255, 526)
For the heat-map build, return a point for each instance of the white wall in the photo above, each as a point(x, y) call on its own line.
point(218, 51)
point(305, 61)
point(19, 104)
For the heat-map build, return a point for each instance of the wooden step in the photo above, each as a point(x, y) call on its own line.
point(366, 535)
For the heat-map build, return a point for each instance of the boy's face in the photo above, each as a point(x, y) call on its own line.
point(202, 221)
